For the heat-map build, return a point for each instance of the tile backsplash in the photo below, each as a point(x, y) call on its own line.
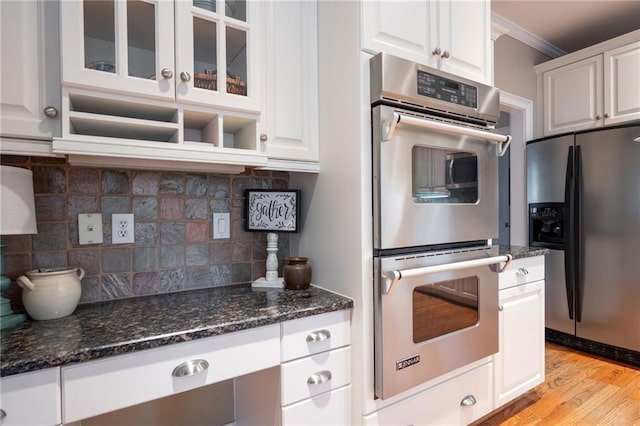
point(173, 249)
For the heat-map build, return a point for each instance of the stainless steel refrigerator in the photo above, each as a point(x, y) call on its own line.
point(583, 191)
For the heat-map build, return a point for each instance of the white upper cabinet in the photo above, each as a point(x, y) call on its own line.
point(161, 49)
point(30, 76)
point(289, 122)
point(450, 35)
point(594, 87)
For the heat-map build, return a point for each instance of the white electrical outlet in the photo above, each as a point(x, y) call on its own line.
point(221, 226)
point(122, 228)
point(90, 228)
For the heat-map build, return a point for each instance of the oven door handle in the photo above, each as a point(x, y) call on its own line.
point(391, 278)
point(501, 142)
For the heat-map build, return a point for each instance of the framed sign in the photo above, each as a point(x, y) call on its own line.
point(273, 210)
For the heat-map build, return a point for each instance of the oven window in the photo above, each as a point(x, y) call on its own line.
point(444, 176)
point(444, 307)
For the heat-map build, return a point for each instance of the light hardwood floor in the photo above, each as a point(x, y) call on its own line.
point(579, 390)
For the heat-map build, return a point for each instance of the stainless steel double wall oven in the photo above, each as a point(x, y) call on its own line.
point(435, 212)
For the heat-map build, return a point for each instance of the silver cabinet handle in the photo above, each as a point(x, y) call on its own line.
point(166, 73)
point(318, 336)
point(445, 54)
point(468, 401)
point(50, 112)
point(185, 76)
point(500, 308)
point(598, 117)
point(319, 377)
point(263, 137)
point(522, 271)
point(3, 414)
point(189, 368)
point(606, 115)
point(436, 51)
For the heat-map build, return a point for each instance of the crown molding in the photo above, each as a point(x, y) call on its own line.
point(524, 36)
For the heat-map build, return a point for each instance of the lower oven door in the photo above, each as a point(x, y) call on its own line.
point(428, 324)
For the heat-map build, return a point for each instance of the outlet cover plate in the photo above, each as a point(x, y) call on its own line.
point(122, 228)
point(90, 228)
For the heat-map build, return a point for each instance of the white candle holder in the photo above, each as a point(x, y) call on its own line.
point(271, 279)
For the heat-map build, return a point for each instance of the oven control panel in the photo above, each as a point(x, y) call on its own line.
point(447, 90)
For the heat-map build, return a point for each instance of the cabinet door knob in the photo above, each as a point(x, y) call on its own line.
point(445, 54)
point(263, 137)
point(606, 115)
point(166, 73)
point(522, 271)
point(3, 414)
point(318, 336)
point(189, 368)
point(50, 112)
point(436, 51)
point(319, 377)
point(468, 401)
point(598, 117)
point(185, 76)
point(500, 308)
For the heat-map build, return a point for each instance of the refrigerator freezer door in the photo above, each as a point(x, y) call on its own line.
point(546, 176)
point(609, 270)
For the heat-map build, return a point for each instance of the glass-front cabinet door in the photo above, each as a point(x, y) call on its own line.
point(215, 60)
point(119, 45)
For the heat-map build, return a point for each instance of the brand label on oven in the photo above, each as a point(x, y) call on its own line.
point(407, 362)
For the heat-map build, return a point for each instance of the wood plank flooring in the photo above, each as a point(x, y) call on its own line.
point(579, 390)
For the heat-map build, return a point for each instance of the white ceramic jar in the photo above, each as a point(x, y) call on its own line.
point(51, 293)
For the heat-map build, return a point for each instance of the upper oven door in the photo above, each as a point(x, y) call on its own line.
point(432, 186)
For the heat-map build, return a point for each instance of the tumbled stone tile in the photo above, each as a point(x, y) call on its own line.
point(146, 183)
point(196, 185)
point(172, 233)
point(171, 257)
point(50, 208)
point(197, 232)
point(145, 259)
point(84, 181)
point(146, 283)
point(241, 251)
point(219, 206)
point(220, 275)
point(172, 208)
point(116, 260)
point(196, 208)
point(240, 184)
point(53, 259)
point(219, 253)
point(91, 291)
point(115, 182)
point(111, 205)
point(50, 236)
point(259, 251)
point(89, 260)
point(259, 269)
point(49, 180)
point(197, 255)
point(115, 286)
point(197, 278)
point(145, 208)
point(16, 264)
point(146, 233)
point(16, 243)
point(172, 280)
point(77, 204)
point(171, 183)
point(219, 187)
point(238, 232)
point(241, 272)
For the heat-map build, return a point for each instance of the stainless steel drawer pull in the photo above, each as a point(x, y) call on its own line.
point(522, 271)
point(468, 401)
point(3, 414)
point(319, 377)
point(189, 368)
point(318, 336)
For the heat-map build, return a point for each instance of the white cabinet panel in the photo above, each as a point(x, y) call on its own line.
point(142, 376)
point(330, 409)
point(30, 74)
point(31, 398)
point(521, 271)
point(442, 404)
point(315, 334)
point(519, 364)
point(622, 84)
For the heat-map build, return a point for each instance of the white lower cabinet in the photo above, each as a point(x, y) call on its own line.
point(519, 364)
point(459, 401)
point(31, 398)
point(330, 409)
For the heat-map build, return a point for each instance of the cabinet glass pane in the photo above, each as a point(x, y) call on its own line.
point(236, 9)
point(209, 5)
point(99, 35)
point(205, 65)
point(236, 61)
point(141, 37)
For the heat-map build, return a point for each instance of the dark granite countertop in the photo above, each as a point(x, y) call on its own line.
point(111, 328)
point(520, 252)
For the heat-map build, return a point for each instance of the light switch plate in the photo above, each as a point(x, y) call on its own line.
point(90, 228)
point(122, 228)
point(221, 225)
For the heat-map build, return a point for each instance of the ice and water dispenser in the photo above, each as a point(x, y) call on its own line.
point(546, 225)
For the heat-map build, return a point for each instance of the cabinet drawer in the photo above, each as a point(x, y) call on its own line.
point(31, 398)
point(131, 379)
point(329, 370)
point(330, 408)
point(442, 404)
point(315, 334)
point(522, 271)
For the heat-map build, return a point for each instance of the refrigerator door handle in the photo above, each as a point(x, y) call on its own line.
point(577, 216)
point(568, 237)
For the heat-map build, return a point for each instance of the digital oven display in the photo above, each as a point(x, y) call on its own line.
point(447, 90)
